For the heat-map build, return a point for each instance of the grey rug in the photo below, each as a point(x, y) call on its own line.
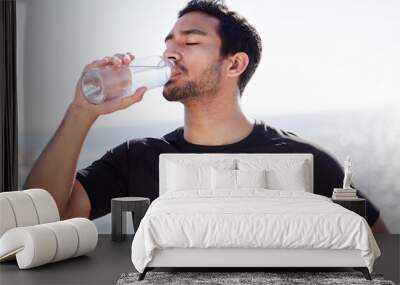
point(269, 278)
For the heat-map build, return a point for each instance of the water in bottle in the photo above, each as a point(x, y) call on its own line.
point(109, 82)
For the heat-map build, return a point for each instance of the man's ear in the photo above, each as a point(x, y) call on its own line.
point(237, 64)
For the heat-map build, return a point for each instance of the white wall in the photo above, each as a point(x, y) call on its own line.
point(329, 72)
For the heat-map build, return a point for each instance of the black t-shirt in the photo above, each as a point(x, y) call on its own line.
point(131, 168)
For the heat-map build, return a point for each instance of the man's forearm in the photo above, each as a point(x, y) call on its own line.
point(55, 168)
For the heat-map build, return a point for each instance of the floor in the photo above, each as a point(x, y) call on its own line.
point(111, 259)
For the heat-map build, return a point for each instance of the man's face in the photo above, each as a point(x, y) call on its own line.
point(194, 45)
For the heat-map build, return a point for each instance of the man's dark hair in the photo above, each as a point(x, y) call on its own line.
point(237, 35)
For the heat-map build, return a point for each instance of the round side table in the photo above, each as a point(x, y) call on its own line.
point(119, 206)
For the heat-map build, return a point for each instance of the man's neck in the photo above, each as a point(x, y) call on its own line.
point(215, 123)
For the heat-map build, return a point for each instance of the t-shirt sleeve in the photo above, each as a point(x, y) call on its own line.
point(328, 174)
point(104, 179)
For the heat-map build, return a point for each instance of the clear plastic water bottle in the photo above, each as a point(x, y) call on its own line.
point(109, 82)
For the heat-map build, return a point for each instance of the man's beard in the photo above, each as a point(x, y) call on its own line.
point(208, 83)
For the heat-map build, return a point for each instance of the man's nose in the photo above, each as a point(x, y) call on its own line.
point(172, 54)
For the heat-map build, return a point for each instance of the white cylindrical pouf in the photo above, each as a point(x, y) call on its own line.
point(7, 217)
point(45, 205)
point(36, 245)
point(67, 239)
point(40, 244)
point(87, 234)
point(23, 207)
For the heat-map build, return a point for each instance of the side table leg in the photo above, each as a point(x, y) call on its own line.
point(118, 220)
point(138, 214)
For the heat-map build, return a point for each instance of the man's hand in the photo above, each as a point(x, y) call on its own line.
point(93, 110)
